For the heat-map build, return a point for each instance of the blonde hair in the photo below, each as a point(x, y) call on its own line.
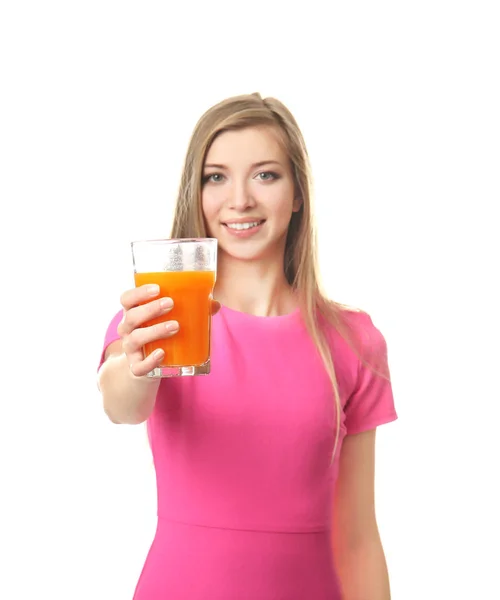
point(300, 261)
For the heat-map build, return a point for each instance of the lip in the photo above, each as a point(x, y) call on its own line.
point(245, 220)
point(243, 233)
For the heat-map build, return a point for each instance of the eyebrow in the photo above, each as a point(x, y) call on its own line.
point(255, 165)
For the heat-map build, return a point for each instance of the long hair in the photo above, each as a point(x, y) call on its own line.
point(300, 259)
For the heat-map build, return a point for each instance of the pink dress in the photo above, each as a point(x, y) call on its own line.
point(243, 461)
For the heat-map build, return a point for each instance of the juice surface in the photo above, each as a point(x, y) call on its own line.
point(191, 292)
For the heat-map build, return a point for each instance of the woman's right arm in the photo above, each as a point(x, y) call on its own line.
point(128, 395)
point(127, 399)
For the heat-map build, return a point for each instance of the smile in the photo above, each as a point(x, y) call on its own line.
point(244, 226)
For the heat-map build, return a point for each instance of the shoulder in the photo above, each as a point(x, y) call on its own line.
point(356, 328)
point(362, 325)
point(341, 317)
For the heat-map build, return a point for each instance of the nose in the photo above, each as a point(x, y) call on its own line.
point(240, 197)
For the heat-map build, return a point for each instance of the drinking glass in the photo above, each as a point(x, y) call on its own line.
point(185, 270)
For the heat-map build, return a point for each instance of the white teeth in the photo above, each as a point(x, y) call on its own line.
point(240, 226)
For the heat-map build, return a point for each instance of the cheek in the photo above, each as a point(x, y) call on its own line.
point(284, 203)
point(210, 206)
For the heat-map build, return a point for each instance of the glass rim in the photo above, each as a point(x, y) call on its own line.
point(167, 241)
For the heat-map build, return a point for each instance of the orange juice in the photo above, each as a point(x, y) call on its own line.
point(191, 292)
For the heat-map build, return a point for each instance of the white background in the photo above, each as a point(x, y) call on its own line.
point(399, 104)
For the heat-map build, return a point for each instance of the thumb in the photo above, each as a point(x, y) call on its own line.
point(215, 307)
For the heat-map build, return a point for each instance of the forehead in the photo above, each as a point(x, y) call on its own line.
point(252, 144)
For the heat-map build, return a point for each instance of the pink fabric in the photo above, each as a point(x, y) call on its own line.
point(243, 461)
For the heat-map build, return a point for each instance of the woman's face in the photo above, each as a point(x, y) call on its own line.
point(248, 193)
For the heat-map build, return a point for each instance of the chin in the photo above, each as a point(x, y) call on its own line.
point(264, 245)
point(250, 252)
point(243, 254)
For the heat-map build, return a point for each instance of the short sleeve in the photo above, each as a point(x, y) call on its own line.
point(372, 403)
point(111, 335)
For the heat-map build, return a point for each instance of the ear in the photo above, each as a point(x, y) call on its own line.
point(297, 204)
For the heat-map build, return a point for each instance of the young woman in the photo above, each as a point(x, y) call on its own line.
point(265, 468)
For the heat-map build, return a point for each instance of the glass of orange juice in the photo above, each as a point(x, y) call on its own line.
point(185, 270)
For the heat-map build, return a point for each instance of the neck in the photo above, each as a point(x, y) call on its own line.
point(255, 287)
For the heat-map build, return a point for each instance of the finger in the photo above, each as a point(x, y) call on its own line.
point(139, 295)
point(138, 315)
point(144, 335)
point(142, 368)
point(215, 307)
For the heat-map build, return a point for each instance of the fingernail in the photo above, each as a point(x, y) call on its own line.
point(166, 303)
point(172, 326)
point(153, 289)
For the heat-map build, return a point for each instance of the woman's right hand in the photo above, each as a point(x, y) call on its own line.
point(142, 304)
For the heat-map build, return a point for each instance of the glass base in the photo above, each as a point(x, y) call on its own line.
point(187, 371)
